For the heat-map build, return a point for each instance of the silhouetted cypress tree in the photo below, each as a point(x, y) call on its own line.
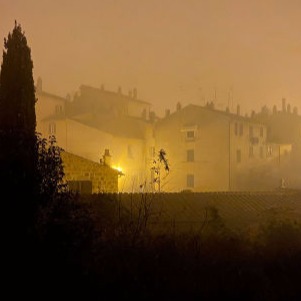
point(18, 147)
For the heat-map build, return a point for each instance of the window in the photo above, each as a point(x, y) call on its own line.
point(261, 132)
point(58, 109)
point(251, 152)
point(190, 135)
point(269, 151)
point(251, 132)
point(189, 132)
point(52, 128)
point(84, 187)
point(241, 129)
point(190, 180)
point(261, 152)
point(238, 156)
point(236, 129)
point(190, 155)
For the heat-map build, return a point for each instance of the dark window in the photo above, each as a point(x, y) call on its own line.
point(52, 128)
point(190, 155)
point(190, 180)
point(261, 152)
point(251, 132)
point(84, 187)
point(236, 129)
point(58, 109)
point(190, 135)
point(241, 129)
point(238, 156)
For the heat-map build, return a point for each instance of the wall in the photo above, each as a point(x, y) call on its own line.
point(129, 154)
point(211, 149)
point(48, 105)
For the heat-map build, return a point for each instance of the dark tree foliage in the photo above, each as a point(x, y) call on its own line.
point(50, 169)
point(18, 152)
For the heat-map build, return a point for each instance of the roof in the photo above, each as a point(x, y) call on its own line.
point(238, 210)
point(122, 97)
point(51, 95)
point(124, 126)
point(65, 153)
point(194, 108)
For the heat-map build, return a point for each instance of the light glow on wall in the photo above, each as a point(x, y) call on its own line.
point(117, 168)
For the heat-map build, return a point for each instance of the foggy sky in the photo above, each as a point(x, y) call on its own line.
point(190, 51)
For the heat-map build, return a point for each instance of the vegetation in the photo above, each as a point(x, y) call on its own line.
point(160, 163)
point(18, 156)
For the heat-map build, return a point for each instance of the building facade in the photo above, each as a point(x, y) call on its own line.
point(207, 149)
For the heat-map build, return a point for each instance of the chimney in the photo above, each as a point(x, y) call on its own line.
point(119, 90)
point(102, 87)
point(288, 108)
point(179, 106)
point(238, 110)
point(295, 110)
point(227, 110)
point(167, 112)
point(283, 105)
point(274, 109)
point(130, 93)
point(107, 157)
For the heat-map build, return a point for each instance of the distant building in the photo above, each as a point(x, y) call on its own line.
point(211, 150)
point(207, 149)
point(284, 135)
point(89, 125)
point(94, 100)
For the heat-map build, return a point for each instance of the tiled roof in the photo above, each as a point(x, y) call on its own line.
point(201, 109)
point(50, 95)
point(123, 126)
point(238, 210)
point(122, 97)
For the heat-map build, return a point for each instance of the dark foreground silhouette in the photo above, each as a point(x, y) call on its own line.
point(81, 251)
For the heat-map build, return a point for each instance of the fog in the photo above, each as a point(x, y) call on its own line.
point(230, 52)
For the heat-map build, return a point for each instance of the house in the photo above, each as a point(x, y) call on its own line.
point(86, 176)
point(212, 150)
point(284, 136)
point(98, 100)
point(48, 104)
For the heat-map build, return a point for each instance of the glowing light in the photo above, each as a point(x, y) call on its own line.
point(117, 168)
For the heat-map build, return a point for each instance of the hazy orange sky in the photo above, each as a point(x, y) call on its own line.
point(170, 50)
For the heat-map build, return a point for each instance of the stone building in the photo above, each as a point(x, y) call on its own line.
point(86, 176)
